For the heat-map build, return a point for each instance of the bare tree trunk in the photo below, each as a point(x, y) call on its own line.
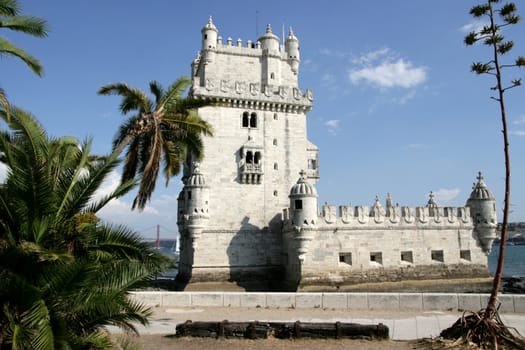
point(496, 285)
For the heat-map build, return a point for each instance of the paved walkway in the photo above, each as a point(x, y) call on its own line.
point(402, 325)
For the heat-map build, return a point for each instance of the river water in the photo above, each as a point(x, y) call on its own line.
point(514, 264)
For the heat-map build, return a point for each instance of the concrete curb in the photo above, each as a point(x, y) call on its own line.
point(510, 303)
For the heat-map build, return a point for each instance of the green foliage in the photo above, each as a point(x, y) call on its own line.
point(491, 35)
point(65, 274)
point(10, 18)
point(166, 129)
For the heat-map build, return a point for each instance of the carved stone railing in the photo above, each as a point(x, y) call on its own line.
point(395, 215)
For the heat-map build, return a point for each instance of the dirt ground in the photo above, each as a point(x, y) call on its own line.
point(160, 342)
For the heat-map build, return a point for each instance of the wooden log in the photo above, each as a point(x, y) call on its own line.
point(251, 330)
point(282, 330)
point(336, 330)
point(197, 329)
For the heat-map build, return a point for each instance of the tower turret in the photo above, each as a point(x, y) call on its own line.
point(209, 40)
point(269, 41)
point(483, 211)
point(291, 47)
point(303, 206)
point(196, 196)
point(303, 203)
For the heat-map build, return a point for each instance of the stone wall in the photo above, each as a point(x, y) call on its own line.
point(510, 303)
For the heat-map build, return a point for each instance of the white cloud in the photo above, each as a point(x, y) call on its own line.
point(372, 56)
point(518, 132)
point(333, 125)
point(389, 74)
point(445, 196)
point(520, 120)
point(328, 78)
point(416, 146)
point(405, 98)
point(109, 185)
point(161, 210)
point(474, 26)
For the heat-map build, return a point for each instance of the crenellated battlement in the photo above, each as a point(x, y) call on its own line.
point(254, 95)
point(248, 48)
point(348, 215)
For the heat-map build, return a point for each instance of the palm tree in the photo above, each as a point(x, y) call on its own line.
point(10, 18)
point(166, 129)
point(64, 274)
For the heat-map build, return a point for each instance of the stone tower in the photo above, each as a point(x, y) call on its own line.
point(258, 149)
point(483, 210)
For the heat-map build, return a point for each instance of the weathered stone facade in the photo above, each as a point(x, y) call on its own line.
point(245, 218)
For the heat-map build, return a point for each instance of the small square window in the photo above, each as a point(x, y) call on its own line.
point(465, 255)
point(407, 256)
point(345, 258)
point(437, 255)
point(298, 204)
point(376, 257)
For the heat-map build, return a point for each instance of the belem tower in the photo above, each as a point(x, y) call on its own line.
point(248, 214)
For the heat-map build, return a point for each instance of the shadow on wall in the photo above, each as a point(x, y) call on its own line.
point(185, 264)
point(252, 255)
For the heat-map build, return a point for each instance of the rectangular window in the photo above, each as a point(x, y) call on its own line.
point(465, 255)
point(437, 255)
point(407, 256)
point(376, 257)
point(345, 258)
point(189, 194)
point(298, 204)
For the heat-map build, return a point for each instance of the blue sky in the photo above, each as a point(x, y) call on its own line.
point(396, 108)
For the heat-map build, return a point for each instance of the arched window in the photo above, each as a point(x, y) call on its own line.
point(249, 120)
point(272, 76)
point(245, 120)
point(253, 120)
point(249, 157)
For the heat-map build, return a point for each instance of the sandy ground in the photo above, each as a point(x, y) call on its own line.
point(160, 342)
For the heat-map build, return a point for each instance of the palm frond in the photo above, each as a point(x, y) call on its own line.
point(9, 49)
point(175, 90)
point(121, 190)
point(4, 104)
point(157, 90)
point(83, 190)
point(133, 98)
point(149, 170)
point(27, 24)
point(174, 155)
point(9, 8)
point(131, 163)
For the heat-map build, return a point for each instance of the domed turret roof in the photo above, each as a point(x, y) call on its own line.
point(269, 34)
point(303, 187)
point(196, 178)
point(209, 26)
point(291, 36)
point(480, 190)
